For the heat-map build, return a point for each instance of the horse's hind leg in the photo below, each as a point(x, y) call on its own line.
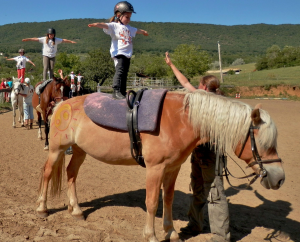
point(168, 195)
point(72, 172)
point(52, 169)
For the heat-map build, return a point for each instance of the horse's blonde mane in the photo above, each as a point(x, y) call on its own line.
point(226, 121)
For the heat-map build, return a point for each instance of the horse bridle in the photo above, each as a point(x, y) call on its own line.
point(257, 158)
point(19, 89)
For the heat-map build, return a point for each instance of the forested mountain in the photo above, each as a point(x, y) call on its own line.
point(239, 41)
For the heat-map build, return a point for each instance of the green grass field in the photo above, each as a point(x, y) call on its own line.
point(251, 78)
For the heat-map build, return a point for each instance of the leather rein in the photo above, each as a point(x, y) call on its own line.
point(257, 159)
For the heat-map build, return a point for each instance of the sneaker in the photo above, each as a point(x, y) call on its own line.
point(190, 230)
point(217, 238)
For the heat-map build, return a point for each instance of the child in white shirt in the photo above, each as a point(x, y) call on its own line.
point(121, 44)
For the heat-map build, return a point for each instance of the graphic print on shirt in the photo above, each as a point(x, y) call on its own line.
point(125, 37)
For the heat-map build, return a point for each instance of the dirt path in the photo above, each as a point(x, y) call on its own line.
point(112, 197)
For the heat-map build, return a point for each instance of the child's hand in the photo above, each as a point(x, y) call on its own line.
point(145, 33)
point(92, 25)
point(167, 59)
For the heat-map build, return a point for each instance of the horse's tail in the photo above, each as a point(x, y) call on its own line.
point(56, 177)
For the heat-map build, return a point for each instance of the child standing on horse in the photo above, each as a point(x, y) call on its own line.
point(121, 44)
point(21, 64)
point(50, 43)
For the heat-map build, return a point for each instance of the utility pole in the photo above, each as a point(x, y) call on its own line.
point(220, 62)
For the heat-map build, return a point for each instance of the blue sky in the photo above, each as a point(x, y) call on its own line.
point(224, 12)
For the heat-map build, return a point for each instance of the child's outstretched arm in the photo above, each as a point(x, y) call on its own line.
point(31, 62)
point(30, 39)
point(68, 41)
point(99, 25)
point(144, 32)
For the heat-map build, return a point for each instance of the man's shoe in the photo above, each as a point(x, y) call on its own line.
point(118, 95)
point(190, 230)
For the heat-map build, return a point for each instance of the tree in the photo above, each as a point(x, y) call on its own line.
point(238, 61)
point(149, 64)
point(98, 66)
point(190, 60)
point(67, 62)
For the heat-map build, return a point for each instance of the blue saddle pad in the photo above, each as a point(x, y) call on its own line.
point(105, 111)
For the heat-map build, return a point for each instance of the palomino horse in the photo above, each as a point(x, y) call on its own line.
point(17, 100)
point(56, 91)
point(186, 121)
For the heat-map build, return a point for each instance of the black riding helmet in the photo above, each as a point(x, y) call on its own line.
point(51, 31)
point(123, 7)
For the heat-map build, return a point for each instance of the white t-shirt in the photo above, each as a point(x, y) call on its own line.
point(79, 78)
point(29, 91)
point(49, 49)
point(73, 87)
point(72, 76)
point(121, 39)
point(21, 61)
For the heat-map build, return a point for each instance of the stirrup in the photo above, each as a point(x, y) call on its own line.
point(38, 108)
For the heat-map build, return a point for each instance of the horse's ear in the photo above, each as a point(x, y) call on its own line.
point(255, 116)
point(257, 106)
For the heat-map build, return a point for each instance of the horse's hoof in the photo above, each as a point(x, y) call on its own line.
point(14, 126)
point(42, 214)
point(22, 125)
point(46, 148)
point(79, 217)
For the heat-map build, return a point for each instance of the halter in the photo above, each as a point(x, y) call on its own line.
point(19, 89)
point(258, 161)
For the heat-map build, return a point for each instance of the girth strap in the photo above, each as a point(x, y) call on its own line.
point(133, 102)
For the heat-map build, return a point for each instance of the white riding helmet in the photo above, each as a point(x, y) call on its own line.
point(27, 80)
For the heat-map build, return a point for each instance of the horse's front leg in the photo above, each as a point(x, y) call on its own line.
point(21, 112)
point(154, 177)
point(168, 195)
point(14, 115)
point(47, 128)
point(39, 116)
point(72, 172)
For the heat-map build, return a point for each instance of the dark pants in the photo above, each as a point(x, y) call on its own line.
point(122, 64)
point(207, 186)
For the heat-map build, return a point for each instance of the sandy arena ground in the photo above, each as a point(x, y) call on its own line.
point(112, 197)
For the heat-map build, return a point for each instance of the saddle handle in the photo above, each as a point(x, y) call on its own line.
point(130, 103)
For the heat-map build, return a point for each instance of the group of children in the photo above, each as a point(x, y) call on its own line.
point(121, 49)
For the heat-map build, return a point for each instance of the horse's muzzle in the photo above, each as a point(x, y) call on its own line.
point(275, 177)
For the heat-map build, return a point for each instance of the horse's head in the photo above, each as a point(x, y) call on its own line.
point(61, 88)
point(17, 85)
point(230, 125)
point(259, 150)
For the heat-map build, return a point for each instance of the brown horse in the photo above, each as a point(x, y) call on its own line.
point(56, 91)
point(186, 120)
